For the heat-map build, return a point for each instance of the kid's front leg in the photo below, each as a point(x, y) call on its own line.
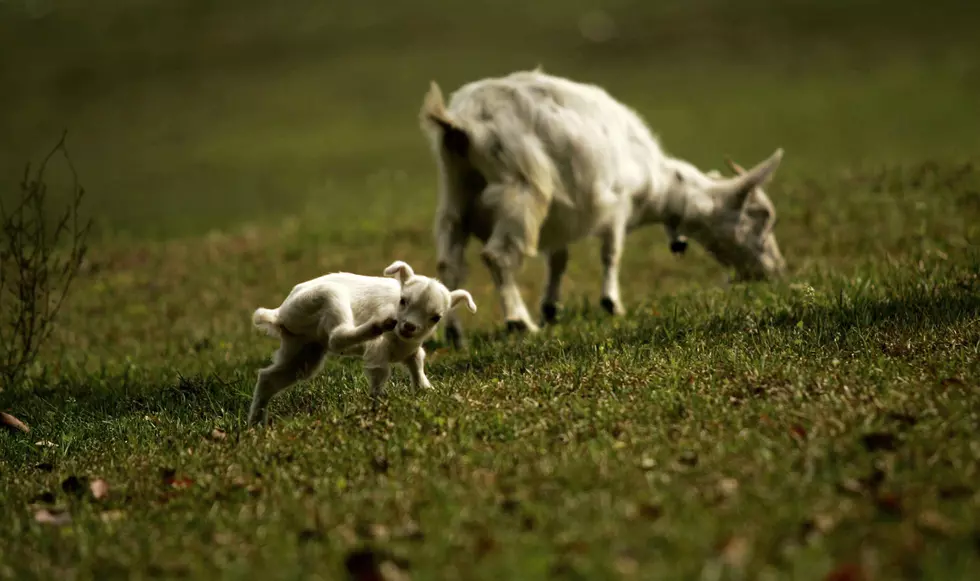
point(416, 368)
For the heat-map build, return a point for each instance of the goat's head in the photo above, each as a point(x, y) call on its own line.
point(423, 302)
point(733, 217)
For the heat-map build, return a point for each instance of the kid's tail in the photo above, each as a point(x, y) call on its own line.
point(267, 320)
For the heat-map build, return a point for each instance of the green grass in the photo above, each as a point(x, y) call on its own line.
point(770, 431)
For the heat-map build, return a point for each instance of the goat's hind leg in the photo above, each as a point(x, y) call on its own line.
point(520, 212)
point(296, 360)
point(451, 238)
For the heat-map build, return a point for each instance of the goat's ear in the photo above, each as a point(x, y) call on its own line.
point(458, 296)
point(400, 270)
point(735, 191)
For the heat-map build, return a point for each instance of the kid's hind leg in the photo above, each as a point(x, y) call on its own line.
point(296, 360)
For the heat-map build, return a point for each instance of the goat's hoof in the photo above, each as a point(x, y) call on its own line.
point(455, 338)
point(520, 327)
point(678, 246)
point(550, 313)
point(610, 306)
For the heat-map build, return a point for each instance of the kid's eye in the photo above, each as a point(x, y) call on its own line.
point(402, 302)
point(435, 318)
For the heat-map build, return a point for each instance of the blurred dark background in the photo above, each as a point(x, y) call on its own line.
point(186, 115)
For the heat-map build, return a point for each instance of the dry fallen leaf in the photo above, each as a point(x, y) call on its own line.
point(99, 489)
point(627, 566)
point(735, 551)
point(45, 444)
point(846, 572)
point(112, 515)
point(727, 487)
point(10, 422)
point(935, 522)
point(47, 517)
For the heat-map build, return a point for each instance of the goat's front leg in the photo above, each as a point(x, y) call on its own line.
point(451, 238)
point(557, 263)
point(611, 252)
point(346, 336)
point(416, 369)
point(377, 375)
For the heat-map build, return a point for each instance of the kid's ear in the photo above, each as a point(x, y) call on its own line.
point(459, 296)
point(400, 270)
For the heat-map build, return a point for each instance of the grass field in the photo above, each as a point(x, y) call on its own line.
point(824, 427)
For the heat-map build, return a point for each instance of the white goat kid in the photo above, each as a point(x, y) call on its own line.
point(380, 320)
point(530, 162)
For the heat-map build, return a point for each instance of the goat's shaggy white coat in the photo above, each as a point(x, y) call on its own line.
point(381, 320)
point(532, 162)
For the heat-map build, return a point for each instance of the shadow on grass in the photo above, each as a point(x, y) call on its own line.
point(226, 391)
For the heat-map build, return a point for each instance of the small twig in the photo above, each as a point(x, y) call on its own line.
point(34, 279)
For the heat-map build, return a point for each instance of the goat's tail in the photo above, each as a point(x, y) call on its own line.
point(434, 115)
point(267, 320)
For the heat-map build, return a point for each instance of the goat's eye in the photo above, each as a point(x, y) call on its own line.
point(436, 318)
point(402, 302)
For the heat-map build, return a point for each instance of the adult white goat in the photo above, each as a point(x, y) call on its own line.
point(531, 162)
point(380, 320)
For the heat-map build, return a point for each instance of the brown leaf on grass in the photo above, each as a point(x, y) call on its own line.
point(818, 524)
point(484, 544)
point(889, 503)
point(935, 522)
point(45, 444)
point(903, 419)
point(409, 530)
point(99, 489)
point(688, 458)
point(54, 518)
point(169, 477)
point(380, 464)
point(13, 424)
point(645, 510)
point(847, 572)
point(798, 431)
point(734, 551)
point(626, 566)
point(218, 435)
point(952, 382)
point(955, 491)
point(111, 515)
point(374, 531)
point(727, 487)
